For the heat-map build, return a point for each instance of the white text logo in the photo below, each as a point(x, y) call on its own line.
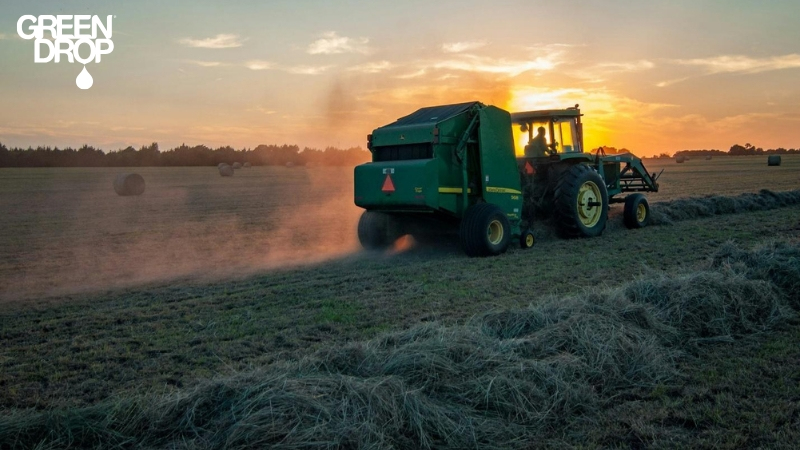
point(71, 38)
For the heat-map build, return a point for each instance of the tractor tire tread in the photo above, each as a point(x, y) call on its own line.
point(564, 211)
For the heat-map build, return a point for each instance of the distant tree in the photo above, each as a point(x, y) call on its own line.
point(737, 149)
point(183, 155)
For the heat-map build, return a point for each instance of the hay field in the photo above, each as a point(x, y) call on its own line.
point(722, 176)
point(420, 348)
point(65, 230)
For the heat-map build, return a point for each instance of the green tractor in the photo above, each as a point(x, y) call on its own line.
point(455, 167)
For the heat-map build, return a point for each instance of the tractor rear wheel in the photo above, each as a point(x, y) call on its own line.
point(580, 203)
point(375, 230)
point(637, 211)
point(485, 230)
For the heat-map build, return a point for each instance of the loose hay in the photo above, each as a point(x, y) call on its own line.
point(226, 171)
point(507, 379)
point(129, 184)
point(665, 213)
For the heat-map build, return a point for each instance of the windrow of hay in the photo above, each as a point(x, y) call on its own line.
point(664, 213)
point(506, 379)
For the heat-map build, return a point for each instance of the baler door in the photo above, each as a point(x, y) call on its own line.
point(398, 185)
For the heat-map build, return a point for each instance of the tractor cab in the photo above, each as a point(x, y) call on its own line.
point(562, 130)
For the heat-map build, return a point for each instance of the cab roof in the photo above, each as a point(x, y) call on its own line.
point(544, 114)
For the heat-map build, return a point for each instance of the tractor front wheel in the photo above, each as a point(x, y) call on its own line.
point(637, 211)
point(485, 230)
point(375, 230)
point(581, 203)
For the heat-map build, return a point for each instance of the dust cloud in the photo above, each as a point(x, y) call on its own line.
point(75, 235)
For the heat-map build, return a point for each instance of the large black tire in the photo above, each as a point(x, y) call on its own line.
point(485, 230)
point(375, 230)
point(580, 203)
point(637, 211)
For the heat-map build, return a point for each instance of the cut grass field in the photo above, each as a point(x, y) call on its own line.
point(113, 347)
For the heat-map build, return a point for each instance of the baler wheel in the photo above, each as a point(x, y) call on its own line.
point(485, 230)
point(374, 230)
point(637, 211)
point(581, 203)
point(527, 240)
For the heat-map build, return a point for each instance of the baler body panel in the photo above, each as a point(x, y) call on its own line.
point(499, 176)
point(412, 185)
point(432, 184)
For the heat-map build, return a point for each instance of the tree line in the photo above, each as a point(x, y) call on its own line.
point(735, 150)
point(199, 155)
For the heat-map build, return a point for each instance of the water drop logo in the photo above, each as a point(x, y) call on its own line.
point(84, 80)
point(72, 37)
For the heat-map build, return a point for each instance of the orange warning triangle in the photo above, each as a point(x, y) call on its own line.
point(388, 186)
point(529, 168)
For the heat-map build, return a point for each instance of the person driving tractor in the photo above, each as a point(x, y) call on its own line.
point(537, 147)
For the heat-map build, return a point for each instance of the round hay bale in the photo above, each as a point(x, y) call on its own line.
point(708, 157)
point(129, 184)
point(237, 165)
point(680, 159)
point(226, 171)
point(246, 165)
point(221, 164)
point(289, 164)
point(774, 160)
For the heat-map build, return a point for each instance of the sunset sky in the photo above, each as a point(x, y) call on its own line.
point(649, 76)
